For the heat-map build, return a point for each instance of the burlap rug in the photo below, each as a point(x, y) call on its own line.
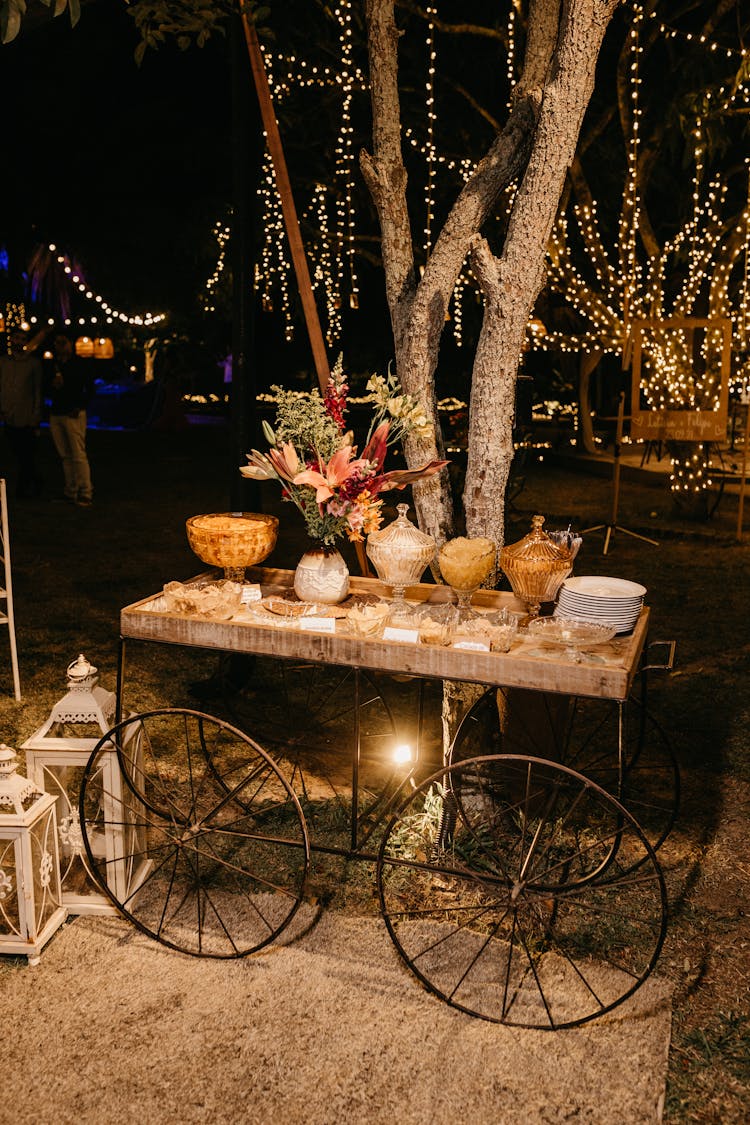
point(332, 1028)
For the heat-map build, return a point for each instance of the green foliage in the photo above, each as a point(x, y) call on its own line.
point(302, 419)
point(13, 11)
point(186, 22)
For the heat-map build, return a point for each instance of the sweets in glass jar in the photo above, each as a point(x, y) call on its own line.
point(465, 563)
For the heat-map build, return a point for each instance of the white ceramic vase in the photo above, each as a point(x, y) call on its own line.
point(321, 576)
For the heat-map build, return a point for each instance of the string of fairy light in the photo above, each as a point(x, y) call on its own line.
point(630, 288)
point(625, 288)
point(345, 160)
point(109, 314)
point(431, 120)
point(325, 276)
point(222, 232)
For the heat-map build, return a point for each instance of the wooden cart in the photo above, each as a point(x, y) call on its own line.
point(518, 879)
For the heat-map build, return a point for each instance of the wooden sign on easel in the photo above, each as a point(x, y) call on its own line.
point(701, 425)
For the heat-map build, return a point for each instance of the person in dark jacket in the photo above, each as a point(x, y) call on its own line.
point(72, 388)
point(21, 407)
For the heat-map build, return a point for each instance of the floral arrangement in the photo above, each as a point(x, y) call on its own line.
point(315, 460)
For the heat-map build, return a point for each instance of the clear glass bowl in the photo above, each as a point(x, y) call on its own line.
point(571, 634)
point(218, 600)
point(368, 620)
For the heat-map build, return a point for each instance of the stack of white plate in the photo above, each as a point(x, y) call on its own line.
point(596, 598)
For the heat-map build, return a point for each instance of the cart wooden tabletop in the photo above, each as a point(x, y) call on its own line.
point(606, 671)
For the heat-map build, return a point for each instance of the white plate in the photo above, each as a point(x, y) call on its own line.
point(601, 586)
point(598, 603)
point(620, 626)
point(602, 607)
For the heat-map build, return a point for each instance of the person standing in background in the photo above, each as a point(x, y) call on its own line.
point(72, 388)
point(21, 408)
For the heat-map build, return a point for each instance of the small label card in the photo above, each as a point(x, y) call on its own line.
point(409, 636)
point(472, 646)
point(317, 624)
point(251, 593)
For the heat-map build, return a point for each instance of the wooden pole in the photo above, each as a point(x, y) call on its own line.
point(247, 162)
point(289, 211)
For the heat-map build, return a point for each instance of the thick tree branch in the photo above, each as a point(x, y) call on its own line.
point(384, 171)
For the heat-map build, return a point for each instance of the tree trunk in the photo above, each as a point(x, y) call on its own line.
point(587, 366)
point(511, 283)
point(418, 310)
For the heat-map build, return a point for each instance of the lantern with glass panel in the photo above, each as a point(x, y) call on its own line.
point(56, 756)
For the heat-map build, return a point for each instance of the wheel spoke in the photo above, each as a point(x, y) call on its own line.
point(210, 833)
point(575, 934)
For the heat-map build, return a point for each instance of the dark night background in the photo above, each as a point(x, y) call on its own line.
point(127, 168)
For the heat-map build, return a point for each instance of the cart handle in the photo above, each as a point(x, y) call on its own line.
point(664, 666)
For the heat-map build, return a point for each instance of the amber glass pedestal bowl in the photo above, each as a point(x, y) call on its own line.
point(232, 540)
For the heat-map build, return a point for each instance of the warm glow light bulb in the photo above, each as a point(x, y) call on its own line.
point(402, 754)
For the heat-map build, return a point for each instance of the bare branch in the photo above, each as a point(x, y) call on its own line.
point(384, 171)
point(481, 111)
point(473, 29)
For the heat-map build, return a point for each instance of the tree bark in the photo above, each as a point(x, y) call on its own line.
point(418, 309)
point(511, 283)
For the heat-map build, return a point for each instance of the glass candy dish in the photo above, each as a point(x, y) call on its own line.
point(464, 565)
point(400, 553)
point(368, 620)
point(569, 633)
point(503, 629)
point(218, 600)
point(436, 625)
point(536, 567)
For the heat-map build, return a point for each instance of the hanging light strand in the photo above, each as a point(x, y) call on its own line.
point(431, 119)
point(110, 314)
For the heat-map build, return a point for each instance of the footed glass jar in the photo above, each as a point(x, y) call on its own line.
point(536, 567)
point(400, 553)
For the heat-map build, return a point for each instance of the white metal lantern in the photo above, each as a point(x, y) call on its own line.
point(56, 756)
point(30, 907)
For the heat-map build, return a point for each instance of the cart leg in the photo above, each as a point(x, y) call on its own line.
point(355, 765)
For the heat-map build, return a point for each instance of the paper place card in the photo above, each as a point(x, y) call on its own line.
point(251, 593)
point(472, 646)
point(409, 636)
point(317, 624)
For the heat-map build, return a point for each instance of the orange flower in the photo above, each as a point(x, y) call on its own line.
point(332, 475)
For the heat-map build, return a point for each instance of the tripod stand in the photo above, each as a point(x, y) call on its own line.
point(610, 528)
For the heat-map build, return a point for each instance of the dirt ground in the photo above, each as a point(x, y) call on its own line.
point(74, 568)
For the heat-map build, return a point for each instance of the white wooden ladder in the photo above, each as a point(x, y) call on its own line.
point(6, 588)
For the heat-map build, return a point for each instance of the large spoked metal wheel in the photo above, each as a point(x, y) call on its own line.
point(583, 734)
point(194, 833)
point(522, 892)
point(304, 716)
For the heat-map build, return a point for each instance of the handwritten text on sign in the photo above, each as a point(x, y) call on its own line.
point(706, 425)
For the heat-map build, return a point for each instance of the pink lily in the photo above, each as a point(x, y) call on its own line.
point(279, 464)
point(377, 446)
point(285, 461)
point(259, 467)
point(399, 478)
point(375, 452)
point(331, 476)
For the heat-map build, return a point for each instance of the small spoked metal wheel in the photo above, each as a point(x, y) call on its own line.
point(622, 749)
point(193, 832)
point(522, 892)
